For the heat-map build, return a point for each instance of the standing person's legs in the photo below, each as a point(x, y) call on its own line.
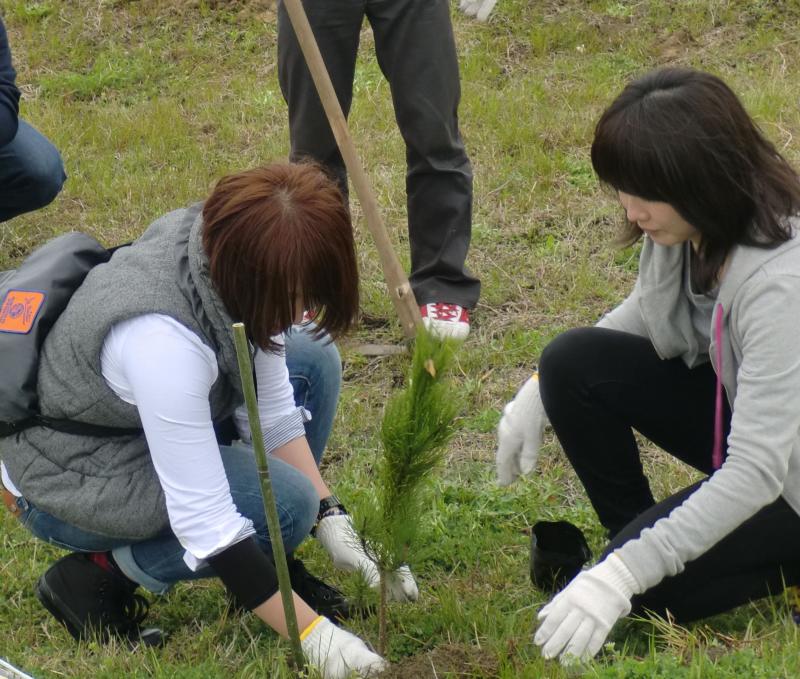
point(315, 371)
point(337, 28)
point(756, 560)
point(416, 52)
point(600, 385)
point(31, 173)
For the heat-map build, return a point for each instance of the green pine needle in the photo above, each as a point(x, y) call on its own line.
point(417, 424)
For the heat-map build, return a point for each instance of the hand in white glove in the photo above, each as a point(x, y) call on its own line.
point(577, 621)
point(519, 434)
point(338, 653)
point(339, 538)
point(480, 9)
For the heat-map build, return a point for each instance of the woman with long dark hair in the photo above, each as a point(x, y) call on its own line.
point(702, 358)
point(145, 346)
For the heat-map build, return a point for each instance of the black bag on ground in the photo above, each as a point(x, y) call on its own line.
point(32, 297)
point(558, 552)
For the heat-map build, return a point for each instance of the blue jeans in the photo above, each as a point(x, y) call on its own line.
point(157, 563)
point(31, 173)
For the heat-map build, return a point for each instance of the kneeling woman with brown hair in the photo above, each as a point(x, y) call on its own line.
point(146, 342)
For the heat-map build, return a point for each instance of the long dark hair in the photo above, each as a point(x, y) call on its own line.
point(275, 235)
point(682, 137)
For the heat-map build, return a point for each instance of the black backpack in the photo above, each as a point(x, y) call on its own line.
point(32, 297)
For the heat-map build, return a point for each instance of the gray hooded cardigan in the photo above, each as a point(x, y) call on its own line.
point(759, 298)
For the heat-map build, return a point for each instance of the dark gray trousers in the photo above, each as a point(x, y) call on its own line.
point(416, 52)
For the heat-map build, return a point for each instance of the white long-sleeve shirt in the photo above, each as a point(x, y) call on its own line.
point(165, 370)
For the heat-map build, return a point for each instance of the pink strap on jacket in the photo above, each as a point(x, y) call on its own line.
point(716, 455)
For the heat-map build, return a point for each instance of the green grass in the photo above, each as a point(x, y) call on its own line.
point(150, 101)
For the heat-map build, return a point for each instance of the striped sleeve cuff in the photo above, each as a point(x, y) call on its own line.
point(286, 429)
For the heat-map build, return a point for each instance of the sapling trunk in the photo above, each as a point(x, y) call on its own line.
point(382, 610)
point(273, 523)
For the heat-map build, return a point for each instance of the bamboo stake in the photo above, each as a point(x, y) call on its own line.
point(399, 289)
point(273, 523)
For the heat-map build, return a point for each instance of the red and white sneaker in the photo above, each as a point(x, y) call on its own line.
point(447, 321)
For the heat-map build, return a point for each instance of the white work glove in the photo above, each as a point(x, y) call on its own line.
point(575, 624)
point(337, 653)
point(338, 536)
point(519, 434)
point(480, 9)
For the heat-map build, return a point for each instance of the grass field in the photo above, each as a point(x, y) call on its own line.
point(150, 101)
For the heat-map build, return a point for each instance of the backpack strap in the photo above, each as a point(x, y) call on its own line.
point(66, 427)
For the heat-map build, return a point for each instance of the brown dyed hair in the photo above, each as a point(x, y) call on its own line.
point(275, 235)
point(682, 137)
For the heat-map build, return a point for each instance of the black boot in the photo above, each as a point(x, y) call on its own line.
point(323, 598)
point(94, 602)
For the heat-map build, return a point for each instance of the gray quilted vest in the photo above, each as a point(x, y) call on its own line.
point(109, 485)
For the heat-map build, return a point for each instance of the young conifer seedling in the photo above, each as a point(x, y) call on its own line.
point(417, 423)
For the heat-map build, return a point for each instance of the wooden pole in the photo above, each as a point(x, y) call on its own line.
point(399, 288)
point(273, 522)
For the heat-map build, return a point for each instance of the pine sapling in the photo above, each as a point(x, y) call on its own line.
point(417, 423)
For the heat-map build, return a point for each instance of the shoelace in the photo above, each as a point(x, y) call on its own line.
point(125, 609)
point(444, 312)
point(135, 609)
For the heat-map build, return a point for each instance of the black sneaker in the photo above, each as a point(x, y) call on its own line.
point(323, 598)
point(93, 602)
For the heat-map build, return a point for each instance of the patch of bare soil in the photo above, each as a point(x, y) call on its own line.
point(675, 46)
point(447, 660)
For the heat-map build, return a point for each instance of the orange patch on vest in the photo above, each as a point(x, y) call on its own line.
point(18, 310)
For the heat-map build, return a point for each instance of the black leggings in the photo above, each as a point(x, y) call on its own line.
point(600, 385)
